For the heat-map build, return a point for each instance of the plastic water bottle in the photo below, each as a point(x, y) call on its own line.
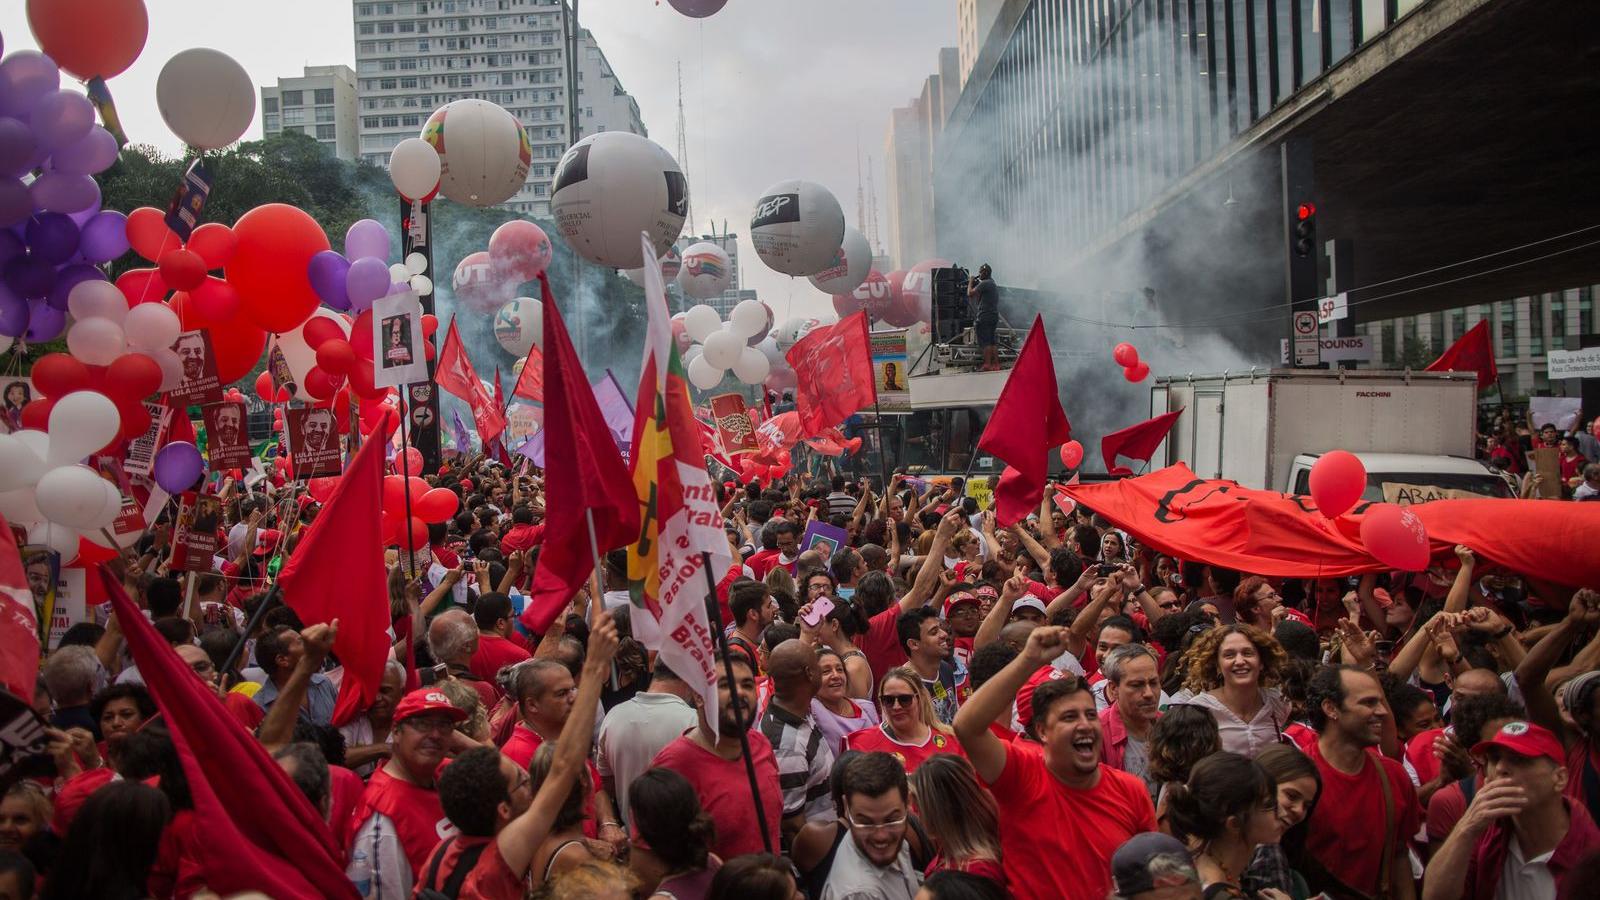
point(361, 873)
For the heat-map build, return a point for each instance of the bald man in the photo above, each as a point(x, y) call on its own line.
point(804, 758)
point(1436, 754)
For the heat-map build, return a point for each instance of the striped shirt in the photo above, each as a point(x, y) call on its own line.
point(841, 504)
point(804, 763)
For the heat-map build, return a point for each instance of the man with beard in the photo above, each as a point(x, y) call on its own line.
point(713, 765)
point(926, 642)
point(1079, 809)
point(228, 426)
point(191, 350)
point(876, 862)
point(399, 819)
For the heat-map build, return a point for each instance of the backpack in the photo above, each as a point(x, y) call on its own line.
point(452, 885)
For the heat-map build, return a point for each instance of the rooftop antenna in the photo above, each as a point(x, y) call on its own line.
point(872, 212)
point(683, 151)
point(861, 197)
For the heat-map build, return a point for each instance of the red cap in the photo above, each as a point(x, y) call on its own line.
point(958, 598)
point(267, 541)
point(1525, 739)
point(305, 500)
point(427, 700)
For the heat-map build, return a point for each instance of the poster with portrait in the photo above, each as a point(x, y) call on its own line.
point(195, 539)
point(313, 442)
point(227, 438)
point(200, 383)
point(889, 371)
point(58, 594)
point(397, 350)
point(734, 426)
point(823, 538)
point(16, 392)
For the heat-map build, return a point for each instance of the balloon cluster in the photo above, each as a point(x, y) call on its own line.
point(487, 280)
point(1133, 368)
point(736, 345)
point(44, 486)
point(429, 505)
point(1393, 534)
point(123, 353)
point(353, 280)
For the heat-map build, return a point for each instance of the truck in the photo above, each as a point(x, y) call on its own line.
point(1415, 432)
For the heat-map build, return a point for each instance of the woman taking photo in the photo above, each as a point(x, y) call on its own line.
point(1228, 806)
point(836, 714)
point(670, 852)
point(959, 815)
point(909, 731)
point(1232, 670)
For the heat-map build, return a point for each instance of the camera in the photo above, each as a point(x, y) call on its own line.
point(1105, 569)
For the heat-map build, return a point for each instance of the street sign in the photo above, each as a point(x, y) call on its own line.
point(1307, 347)
point(1332, 309)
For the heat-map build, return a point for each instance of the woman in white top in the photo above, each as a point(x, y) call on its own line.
point(836, 713)
point(1232, 672)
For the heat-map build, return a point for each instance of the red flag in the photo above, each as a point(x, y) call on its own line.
point(1472, 352)
point(337, 572)
point(530, 384)
point(19, 625)
point(456, 375)
point(1136, 441)
point(833, 368)
point(496, 447)
point(584, 474)
point(261, 832)
point(1026, 424)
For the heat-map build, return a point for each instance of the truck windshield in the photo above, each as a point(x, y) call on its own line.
point(1436, 485)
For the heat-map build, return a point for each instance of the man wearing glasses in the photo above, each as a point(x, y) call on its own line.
point(876, 861)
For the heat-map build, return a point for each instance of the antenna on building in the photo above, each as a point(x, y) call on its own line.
point(861, 196)
point(872, 212)
point(683, 151)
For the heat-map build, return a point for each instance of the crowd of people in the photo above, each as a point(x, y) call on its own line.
point(939, 709)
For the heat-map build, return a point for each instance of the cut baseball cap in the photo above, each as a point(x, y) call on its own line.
point(1525, 739)
point(425, 701)
point(1028, 601)
point(267, 541)
point(1132, 864)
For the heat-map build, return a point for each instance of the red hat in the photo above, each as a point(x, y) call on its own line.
point(305, 500)
point(427, 700)
point(267, 541)
point(1525, 739)
point(958, 598)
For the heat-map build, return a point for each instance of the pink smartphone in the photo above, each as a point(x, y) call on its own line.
point(819, 609)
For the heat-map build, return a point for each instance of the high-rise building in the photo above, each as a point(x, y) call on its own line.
point(909, 148)
point(973, 20)
point(414, 56)
point(320, 103)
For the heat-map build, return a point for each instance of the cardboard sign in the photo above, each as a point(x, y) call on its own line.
point(734, 427)
point(313, 442)
point(889, 372)
point(1402, 494)
point(200, 383)
point(825, 538)
point(195, 538)
point(1547, 462)
point(142, 449)
point(397, 347)
point(227, 439)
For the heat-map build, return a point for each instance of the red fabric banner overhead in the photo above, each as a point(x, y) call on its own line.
point(833, 373)
point(1218, 522)
point(1472, 352)
point(1136, 441)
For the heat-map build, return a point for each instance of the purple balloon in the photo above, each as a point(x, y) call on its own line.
point(367, 237)
point(178, 466)
point(29, 276)
point(89, 155)
point(13, 313)
point(69, 277)
point(25, 76)
point(53, 237)
point(104, 237)
point(60, 192)
point(45, 322)
point(327, 272)
point(19, 151)
point(61, 118)
point(10, 245)
point(367, 280)
point(16, 204)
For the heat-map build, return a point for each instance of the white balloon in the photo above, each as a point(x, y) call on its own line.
point(748, 318)
point(20, 507)
point(486, 158)
point(416, 263)
point(611, 186)
point(16, 462)
point(704, 375)
point(797, 227)
point(300, 357)
point(151, 326)
point(399, 274)
point(769, 349)
point(71, 496)
point(722, 348)
point(792, 330)
point(81, 423)
point(421, 285)
point(849, 267)
point(60, 538)
point(100, 300)
point(38, 447)
point(700, 322)
point(206, 98)
point(705, 272)
point(97, 342)
point(171, 367)
point(752, 366)
point(519, 325)
point(694, 352)
point(414, 168)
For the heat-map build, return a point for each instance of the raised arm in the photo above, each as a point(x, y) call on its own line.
point(994, 699)
point(277, 727)
point(1072, 592)
point(1461, 589)
point(922, 590)
point(1583, 613)
point(1000, 612)
point(1035, 550)
point(1084, 623)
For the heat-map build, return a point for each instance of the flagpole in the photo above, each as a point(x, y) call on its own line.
point(597, 608)
point(714, 611)
point(249, 629)
point(405, 470)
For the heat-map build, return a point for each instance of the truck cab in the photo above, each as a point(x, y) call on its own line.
point(1407, 478)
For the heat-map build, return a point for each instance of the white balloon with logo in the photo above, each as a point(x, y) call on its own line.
point(706, 271)
point(611, 186)
point(519, 325)
point(849, 266)
point(797, 227)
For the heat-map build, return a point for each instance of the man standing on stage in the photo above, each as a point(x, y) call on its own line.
point(986, 304)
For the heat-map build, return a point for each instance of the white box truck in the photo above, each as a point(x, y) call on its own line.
point(1414, 431)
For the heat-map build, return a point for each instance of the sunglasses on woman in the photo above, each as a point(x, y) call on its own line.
point(897, 699)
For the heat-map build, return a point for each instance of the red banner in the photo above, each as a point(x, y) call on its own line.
point(733, 423)
point(19, 624)
point(833, 373)
point(454, 373)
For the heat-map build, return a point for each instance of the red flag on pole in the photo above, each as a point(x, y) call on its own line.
point(337, 572)
point(1472, 352)
point(584, 472)
point(19, 625)
point(496, 448)
point(1026, 424)
point(833, 371)
point(455, 374)
point(276, 843)
point(1136, 441)
point(530, 384)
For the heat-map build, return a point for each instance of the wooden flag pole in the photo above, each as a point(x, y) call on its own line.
point(597, 606)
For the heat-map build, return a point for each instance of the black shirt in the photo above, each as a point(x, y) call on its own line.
point(988, 299)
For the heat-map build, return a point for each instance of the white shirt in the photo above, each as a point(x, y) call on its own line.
point(632, 733)
point(1252, 737)
point(1526, 879)
point(854, 877)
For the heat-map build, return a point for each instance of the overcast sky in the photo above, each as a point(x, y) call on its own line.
point(773, 89)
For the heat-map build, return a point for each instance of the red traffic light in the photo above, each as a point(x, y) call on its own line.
point(1306, 211)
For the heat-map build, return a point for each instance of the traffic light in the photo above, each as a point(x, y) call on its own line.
point(1305, 229)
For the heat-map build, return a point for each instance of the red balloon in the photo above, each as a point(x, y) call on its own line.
point(890, 310)
point(37, 413)
point(235, 343)
point(319, 330)
point(1137, 372)
point(149, 235)
point(321, 489)
point(336, 357)
point(1125, 354)
point(90, 38)
point(57, 374)
point(320, 385)
point(427, 350)
point(142, 286)
point(361, 376)
point(264, 389)
point(394, 492)
point(215, 299)
point(215, 243)
point(1071, 454)
point(269, 266)
point(1396, 536)
point(519, 250)
point(419, 534)
point(430, 324)
point(1338, 480)
point(437, 505)
point(361, 335)
point(134, 376)
point(369, 423)
point(183, 270)
point(135, 418)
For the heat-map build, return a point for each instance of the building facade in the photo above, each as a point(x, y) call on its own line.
point(320, 103)
point(974, 18)
point(909, 147)
point(414, 56)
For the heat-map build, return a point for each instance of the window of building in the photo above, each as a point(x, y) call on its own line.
point(269, 122)
point(539, 190)
point(386, 84)
point(408, 65)
point(326, 132)
point(411, 121)
point(369, 122)
point(324, 114)
point(269, 104)
point(323, 95)
point(1536, 326)
point(407, 27)
point(294, 116)
point(1586, 310)
point(408, 83)
point(1558, 320)
point(1507, 345)
point(388, 65)
point(364, 28)
point(364, 9)
point(292, 98)
point(386, 28)
point(391, 121)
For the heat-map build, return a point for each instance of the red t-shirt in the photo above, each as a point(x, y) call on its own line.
point(525, 742)
point(419, 820)
point(963, 651)
point(494, 652)
point(872, 739)
point(881, 644)
point(1347, 837)
point(344, 795)
point(1445, 808)
point(761, 563)
point(490, 879)
point(1419, 752)
point(1062, 848)
point(724, 791)
point(522, 537)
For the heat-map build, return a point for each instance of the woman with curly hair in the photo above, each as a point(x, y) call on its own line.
point(1233, 671)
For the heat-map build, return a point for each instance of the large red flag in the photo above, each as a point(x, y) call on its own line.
point(1136, 441)
point(260, 832)
point(337, 572)
point(455, 374)
point(1472, 352)
point(19, 625)
point(584, 474)
point(833, 371)
point(1026, 424)
point(496, 448)
point(530, 384)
